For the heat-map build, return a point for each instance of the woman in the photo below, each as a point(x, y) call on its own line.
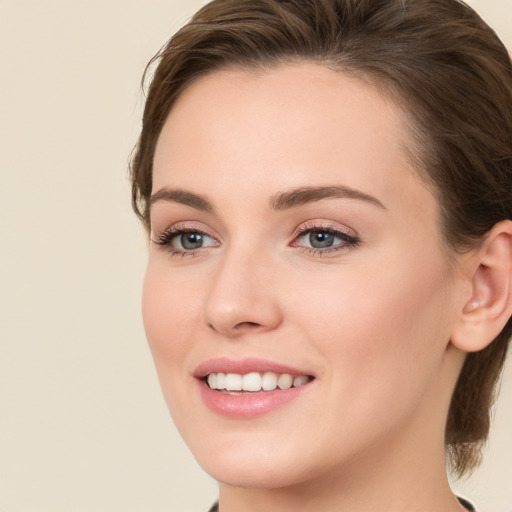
point(326, 185)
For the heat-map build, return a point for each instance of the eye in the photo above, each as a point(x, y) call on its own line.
point(323, 239)
point(190, 241)
point(184, 240)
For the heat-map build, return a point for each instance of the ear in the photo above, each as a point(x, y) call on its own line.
point(485, 313)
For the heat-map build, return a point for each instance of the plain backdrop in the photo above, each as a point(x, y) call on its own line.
point(83, 426)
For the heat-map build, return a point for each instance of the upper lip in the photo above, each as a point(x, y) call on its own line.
point(244, 366)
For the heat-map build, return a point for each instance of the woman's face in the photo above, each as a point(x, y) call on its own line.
point(293, 243)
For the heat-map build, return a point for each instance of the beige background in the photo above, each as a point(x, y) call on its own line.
point(82, 424)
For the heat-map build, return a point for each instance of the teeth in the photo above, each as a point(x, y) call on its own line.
point(285, 381)
point(298, 381)
point(221, 381)
point(269, 381)
point(251, 382)
point(233, 382)
point(212, 380)
point(255, 381)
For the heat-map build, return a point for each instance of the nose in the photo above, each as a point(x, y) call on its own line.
point(242, 297)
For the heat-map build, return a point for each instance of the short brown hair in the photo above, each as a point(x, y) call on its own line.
point(439, 61)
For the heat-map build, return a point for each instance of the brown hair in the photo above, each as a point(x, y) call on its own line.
point(439, 61)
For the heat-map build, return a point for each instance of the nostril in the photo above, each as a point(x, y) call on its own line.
point(245, 325)
point(241, 326)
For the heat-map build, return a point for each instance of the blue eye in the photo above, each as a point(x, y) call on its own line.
point(323, 240)
point(184, 241)
point(190, 241)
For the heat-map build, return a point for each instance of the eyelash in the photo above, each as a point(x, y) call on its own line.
point(166, 237)
point(348, 240)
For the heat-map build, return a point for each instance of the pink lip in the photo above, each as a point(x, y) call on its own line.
point(246, 405)
point(243, 366)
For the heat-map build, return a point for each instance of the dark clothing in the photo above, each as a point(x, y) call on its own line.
point(463, 502)
point(466, 504)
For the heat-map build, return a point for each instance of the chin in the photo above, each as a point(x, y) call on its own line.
point(262, 464)
point(269, 475)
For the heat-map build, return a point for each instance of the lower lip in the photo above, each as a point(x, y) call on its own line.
point(248, 405)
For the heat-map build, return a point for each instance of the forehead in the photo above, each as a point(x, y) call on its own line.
point(304, 107)
point(287, 126)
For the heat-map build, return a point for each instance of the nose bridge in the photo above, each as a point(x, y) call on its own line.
point(240, 298)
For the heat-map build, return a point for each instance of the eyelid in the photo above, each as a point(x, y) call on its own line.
point(165, 238)
point(320, 225)
point(174, 229)
point(348, 237)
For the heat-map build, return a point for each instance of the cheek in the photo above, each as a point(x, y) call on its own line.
point(384, 335)
point(169, 310)
point(390, 322)
point(168, 314)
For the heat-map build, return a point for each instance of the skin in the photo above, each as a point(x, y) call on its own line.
point(371, 321)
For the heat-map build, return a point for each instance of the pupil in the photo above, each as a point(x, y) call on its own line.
point(321, 239)
point(191, 240)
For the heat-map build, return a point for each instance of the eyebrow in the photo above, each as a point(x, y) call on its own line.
point(304, 195)
point(281, 201)
point(179, 196)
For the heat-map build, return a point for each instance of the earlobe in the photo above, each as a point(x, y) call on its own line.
point(489, 307)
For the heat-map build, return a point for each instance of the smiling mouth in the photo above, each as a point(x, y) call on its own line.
point(254, 382)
